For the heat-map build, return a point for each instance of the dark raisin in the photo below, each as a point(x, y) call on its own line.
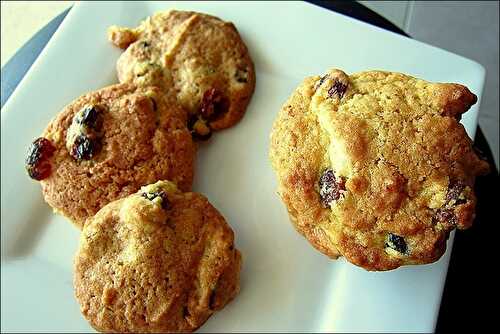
point(241, 75)
point(89, 116)
point(453, 195)
point(320, 81)
point(338, 88)
point(212, 300)
point(83, 148)
point(447, 217)
point(37, 159)
point(144, 44)
point(330, 187)
point(397, 243)
point(185, 312)
point(213, 105)
point(165, 203)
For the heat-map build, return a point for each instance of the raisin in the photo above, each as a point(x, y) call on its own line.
point(83, 148)
point(453, 195)
point(212, 300)
point(165, 203)
point(198, 128)
point(445, 217)
point(330, 187)
point(144, 44)
point(37, 160)
point(89, 116)
point(185, 312)
point(338, 88)
point(397, 243)
point(213, 105)
point(320, 82)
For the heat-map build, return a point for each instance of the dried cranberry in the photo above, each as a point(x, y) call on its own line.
point(330, 187)
point(338, 88)
point(89, 116)
point(37, 160)
point(397, 243)
point(447, 217)
point(213, 104)
point(454, 190)
point(165, 203)
point(83, 148)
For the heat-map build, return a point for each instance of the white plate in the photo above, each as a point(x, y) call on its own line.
point(286, 284)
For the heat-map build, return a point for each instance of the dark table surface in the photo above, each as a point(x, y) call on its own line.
point(469, 282)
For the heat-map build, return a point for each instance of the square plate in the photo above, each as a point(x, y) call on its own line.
point(286, 284)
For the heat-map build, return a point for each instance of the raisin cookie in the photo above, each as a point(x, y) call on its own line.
point(375, 166)
point(106, 145)
point(200, 57)
point(159, 260)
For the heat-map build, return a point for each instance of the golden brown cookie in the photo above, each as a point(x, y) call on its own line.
point(107, 144)
point(200, 57)
point(375, 166)
point(156, 261)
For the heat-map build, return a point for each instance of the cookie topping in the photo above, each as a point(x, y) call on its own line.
point(199, 128)
point(331, 188)
point(446, 217)
point(397, 243)
point(455, 189)
point(338, 88)
point(37, 160)
point(165, 203)
point(320, 82)
point(84, 133)
point(241, 75)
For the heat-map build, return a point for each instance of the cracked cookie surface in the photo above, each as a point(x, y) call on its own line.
point(159, 260)
point(375, 166)
point(109, 143)
point(199, 57)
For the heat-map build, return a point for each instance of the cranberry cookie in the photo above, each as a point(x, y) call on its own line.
point(199, 57)
point(156, 261)
point(106, 145)
point(376, 166)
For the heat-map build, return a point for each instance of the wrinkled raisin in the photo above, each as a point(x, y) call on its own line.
point(83, 148)
point(320, 81)
point(453, 195)
point(397, 243)
point(330, 187)
point(165, 203)
point(144, 44)
point(212, 300)
point(89, 116)
point(199, 129)
point(338, 88)
point(37, 160)
point(447, 217)
point(213, 105)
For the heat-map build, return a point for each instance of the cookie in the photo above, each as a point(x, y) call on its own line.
point(159, 260)
point(106, 145)
point(199, 57)
point(376, 166)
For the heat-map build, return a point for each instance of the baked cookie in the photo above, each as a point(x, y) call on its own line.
point(198, 56)
point(156, 261)
point(106, 145)
point(375, 166)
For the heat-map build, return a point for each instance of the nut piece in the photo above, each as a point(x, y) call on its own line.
point(331, 188)
point(37, 160)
